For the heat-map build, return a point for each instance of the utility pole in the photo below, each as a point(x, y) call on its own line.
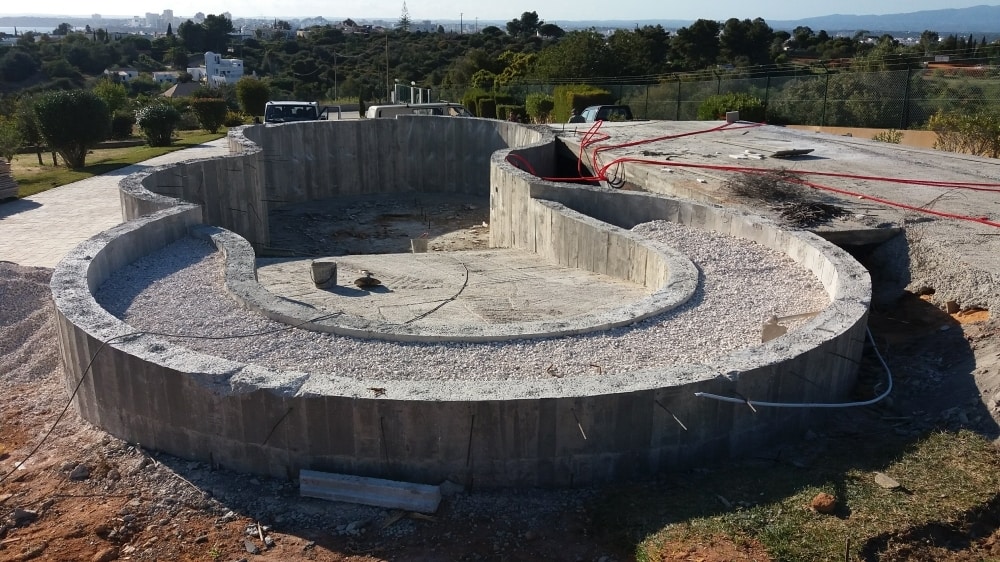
point(387, 65)
point(460, 30)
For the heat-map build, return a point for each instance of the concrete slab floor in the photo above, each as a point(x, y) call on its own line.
point(503, 286)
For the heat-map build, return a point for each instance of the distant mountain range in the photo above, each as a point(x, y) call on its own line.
point(977, 19)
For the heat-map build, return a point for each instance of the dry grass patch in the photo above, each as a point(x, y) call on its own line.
point(943, 477)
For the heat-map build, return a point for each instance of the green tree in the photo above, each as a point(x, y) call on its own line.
point(10, 137)
point(192, 36)
point(217, 30)
point(746, 42)
point(697, 46)
point(158, 122)
point(404, 19)
point(27, 125)
point(252, 95)
point(72, 122)
point(526, 26)
point(211, 112)
point(114, 94)
point(579, 54)
point(17, 64)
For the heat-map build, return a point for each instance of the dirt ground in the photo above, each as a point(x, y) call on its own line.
point(85, 495)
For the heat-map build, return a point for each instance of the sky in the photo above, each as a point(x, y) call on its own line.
point(550, 11)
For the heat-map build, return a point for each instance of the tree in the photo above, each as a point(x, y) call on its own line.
point(526, 26)
point(63, 29)
point(746, 42)
point(16, 65)
point(72, 122)
point(217, 30)
point(10, 137)
point(170, 30)
point(114, 95)
point(252, 95)
point(158, 121)
point(697, 46)
point(211, 112)
point(404, 19)
point(27, 125)
point(580, 54)
point(192, 36)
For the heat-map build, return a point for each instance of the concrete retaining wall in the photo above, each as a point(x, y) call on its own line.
point(558, 432)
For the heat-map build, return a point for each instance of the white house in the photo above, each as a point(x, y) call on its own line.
point(218, 70)
point(166, 77)
point(122, 74)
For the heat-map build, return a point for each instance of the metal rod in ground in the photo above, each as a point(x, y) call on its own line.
point(667, 410)
point(579, 425)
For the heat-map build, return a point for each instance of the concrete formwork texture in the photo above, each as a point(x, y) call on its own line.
point(555, 432)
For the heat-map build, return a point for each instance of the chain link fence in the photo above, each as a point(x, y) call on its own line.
point(898, 99)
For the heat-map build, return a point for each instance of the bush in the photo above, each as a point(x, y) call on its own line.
point(972, 133)
point(751, 108)
point(234, 119)
point(510, 112)
point(487, 108)
point(892, 136)
point(252, 95)
point(158, 122)
point(122, 123)
point(188, 122)
point(539, 107)
point(211, 112)
point(72, 122)
point(471, 99)
point(578, 97)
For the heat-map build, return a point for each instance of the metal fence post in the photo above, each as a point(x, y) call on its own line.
point(904, 119)
point(767, 91)
point(826, 94)
point(677, 117)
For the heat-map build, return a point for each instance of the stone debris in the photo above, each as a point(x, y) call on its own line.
point(887, 482)
point(823, 503)
point(8, 187)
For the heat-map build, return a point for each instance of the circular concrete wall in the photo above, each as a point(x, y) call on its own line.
point(490, 433)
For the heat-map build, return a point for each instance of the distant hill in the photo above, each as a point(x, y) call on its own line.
point(977, 19)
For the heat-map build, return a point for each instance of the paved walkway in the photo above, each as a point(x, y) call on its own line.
point(39, 230)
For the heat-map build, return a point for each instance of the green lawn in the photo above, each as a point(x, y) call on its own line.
point(32, 178)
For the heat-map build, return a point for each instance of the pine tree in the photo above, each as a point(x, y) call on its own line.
point(404, 19)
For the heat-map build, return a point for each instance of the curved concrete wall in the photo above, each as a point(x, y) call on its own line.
point(147, 390)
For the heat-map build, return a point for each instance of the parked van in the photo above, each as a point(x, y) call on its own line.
point(439, 108)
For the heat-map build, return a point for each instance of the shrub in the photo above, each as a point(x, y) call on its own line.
point(10, 137)
point(72, 122)
point(973, 133)
point(252, 95)
point(234, 119)
point(488, 108)
point(471, 99)
point(506, 111)
point(539, 107)
point(188, 122)
point(211, 112)
point(158, 122)
point(751, 108)
point(578, 97)
point(892, 136)
point(122, 123)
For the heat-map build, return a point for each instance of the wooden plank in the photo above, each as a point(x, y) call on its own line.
point(391, 494)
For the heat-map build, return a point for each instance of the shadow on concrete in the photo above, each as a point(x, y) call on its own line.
point(11, 207)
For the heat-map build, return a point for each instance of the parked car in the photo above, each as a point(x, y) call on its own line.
point(438, 108)
point(607, 113)
point(289, 111)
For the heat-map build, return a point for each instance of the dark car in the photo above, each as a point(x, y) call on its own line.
point(607, 113)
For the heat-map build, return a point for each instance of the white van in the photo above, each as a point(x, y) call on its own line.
point(439, 108)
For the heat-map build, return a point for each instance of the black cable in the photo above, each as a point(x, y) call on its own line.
point(83, 377)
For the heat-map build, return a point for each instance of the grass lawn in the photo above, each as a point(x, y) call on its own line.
point(32, 178)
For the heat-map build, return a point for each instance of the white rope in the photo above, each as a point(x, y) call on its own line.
point(754, 403)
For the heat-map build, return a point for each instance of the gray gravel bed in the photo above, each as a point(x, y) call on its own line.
point(180, 290)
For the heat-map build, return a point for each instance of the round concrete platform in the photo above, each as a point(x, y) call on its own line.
point(468, 296)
